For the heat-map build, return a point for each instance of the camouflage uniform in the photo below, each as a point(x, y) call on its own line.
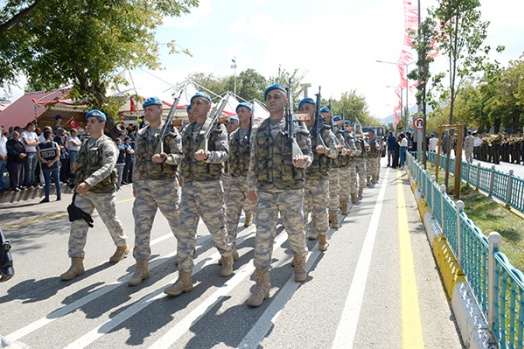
point(156, 185)
point(334, 178)
point(468, 148)
point(202, 193)
point(360, 161)
point(280, 188)
point(351, 176)
point(373, 160)
point(316, 190)
point(236, 192)
point(96, 160)
point(347, 169)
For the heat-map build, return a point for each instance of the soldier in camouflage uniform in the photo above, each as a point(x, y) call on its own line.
point(334, 171)
point(348, 174)
point(373, 159)
point(95, 180)
point(202, 192)
point(316, 190)
point(276, 179)
point(468, 147)
point(360, 159)
point(155, 182)
point(236, 193)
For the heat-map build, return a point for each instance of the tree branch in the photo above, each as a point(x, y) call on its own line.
point(19, 16)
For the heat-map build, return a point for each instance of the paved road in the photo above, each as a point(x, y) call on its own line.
point(376, 287)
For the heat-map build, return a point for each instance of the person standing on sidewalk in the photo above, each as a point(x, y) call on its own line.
point(95, 181)
point(391, 142)
point(48, 153)
point(3, 157)
point(155, 183)
point(276, 179)
point(15, 161)
point(30, 140)
point(73, 147)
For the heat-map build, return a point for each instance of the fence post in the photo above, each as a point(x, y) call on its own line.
point(478, 175)
point(494, 247)
point(460, 209)
point(427, 182)
point(433, 179)
point(442, 193)
point(510, 187)
point(491, 180)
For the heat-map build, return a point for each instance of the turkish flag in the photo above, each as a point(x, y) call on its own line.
point(132, 105)
point(72, 122)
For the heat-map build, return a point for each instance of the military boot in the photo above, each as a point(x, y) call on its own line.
point(322, 242)
point(261, 289)
point(344, 207)
point(183, 284)
point(227, 266)
point(120, 253)
point(234, 253)
point(313, 234)
point(333, 217)
point(300, 268)
point(354, 198)
point(76, 269)
point(249, 220)
point(141, 273)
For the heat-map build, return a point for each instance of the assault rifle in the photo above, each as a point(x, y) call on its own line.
point(169, 121)
point(214, 115)
point(290, 124)
point(6, 260)
point(319, 121)
point(332, 124)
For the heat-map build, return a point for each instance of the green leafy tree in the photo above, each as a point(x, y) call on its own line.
point(85, 43)
point(250, 85)
point(283, 77)
point(210, 82)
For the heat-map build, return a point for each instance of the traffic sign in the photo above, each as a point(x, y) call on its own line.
point(418, 123)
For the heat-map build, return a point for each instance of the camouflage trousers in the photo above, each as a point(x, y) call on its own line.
point(201, 200)
point(290, 204)
point(348, 181)
point(236, 200)
point(334, 190)
point(469, 154)
point(150, 196)
point(361, 171)
point(316, 194)
point(372, 168)
point(105, 206)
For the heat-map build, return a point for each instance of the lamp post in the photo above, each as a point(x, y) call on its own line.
point(305, 86)
point(234, 66)
point(406, 111)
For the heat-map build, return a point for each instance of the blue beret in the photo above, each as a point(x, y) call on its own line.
point(96, 112)
point(244, 104)
point(58, 117)
point(324, 110)
point(234, 118)
point(200, 94)
point(152, 101)
point(188, 107)
point(337, 118)
point(273, 87)
point(347, 122)
point(306, 100)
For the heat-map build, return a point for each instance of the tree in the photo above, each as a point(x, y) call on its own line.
point(210, 82)
point(85, 43)
point(354, 107)
point(250, 85)
point(14, 12)
point(283, 77)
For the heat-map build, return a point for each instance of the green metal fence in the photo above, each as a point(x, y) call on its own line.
point(497, 285)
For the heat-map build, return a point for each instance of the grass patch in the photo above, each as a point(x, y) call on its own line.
point(489, 216)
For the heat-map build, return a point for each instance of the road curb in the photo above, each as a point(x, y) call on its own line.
point(470, 320)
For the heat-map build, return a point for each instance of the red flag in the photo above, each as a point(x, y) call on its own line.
point(72, 122)
point(132, 105)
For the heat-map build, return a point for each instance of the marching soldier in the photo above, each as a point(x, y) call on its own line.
point(373, 159)
point(276, 179)
point(236, 196)
point(202, 192)
point(361, 158)
point(334, 172)
point(348, 169)
point(316, 190)
point(95, 181)
point(155, 182)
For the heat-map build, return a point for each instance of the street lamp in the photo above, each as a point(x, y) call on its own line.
point(305, 87)
point(234, 66)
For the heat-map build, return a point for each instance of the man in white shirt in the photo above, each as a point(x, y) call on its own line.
point(30, 140)
point(433, 141)
point(477, 142)
point(3, 158)
point(73, 145)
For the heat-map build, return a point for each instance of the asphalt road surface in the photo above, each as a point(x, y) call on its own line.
point(376, 287)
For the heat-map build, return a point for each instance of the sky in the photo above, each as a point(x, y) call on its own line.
point(333, 43)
